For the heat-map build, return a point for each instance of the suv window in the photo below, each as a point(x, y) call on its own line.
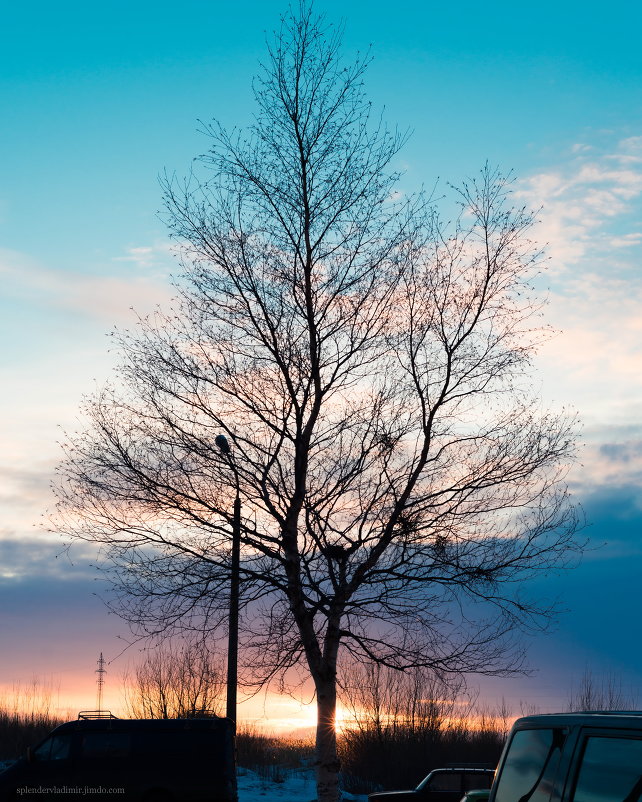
point(611, 768)
point(530, 766)
point(477, 780)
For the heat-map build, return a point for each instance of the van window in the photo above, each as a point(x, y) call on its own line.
point(106, 745)
point(54, 748)
point(611, 768)
point(530, 766)
point(185, 744)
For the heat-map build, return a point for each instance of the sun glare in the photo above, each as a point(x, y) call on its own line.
point(285, 716)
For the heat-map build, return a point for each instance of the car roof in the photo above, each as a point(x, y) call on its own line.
point(592, 718)
point(145, 725)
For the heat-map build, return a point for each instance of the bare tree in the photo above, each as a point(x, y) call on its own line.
point(404, 724)
point(175, 681)
point(606, 693)
point(368, 365)
point(384, 701)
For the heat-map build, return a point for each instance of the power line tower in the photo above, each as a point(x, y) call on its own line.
point(101, 671)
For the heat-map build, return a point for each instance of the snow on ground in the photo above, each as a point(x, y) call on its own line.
point(293, 786)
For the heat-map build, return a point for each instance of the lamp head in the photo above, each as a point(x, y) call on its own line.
point(222, 443)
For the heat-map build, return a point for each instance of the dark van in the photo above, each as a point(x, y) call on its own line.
point(137, 760)
point(572, 757)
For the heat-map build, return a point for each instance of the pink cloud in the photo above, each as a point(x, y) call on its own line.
point(108, 298)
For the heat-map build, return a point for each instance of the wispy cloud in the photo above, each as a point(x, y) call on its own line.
point(105, 297)
point(586, 203)
point(591, 208)
point(627, 241)
point(158, 256)
point(57, 320)
point(602, 330)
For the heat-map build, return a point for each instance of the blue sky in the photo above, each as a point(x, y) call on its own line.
point(98, 100)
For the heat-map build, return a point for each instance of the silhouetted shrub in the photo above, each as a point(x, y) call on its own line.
point(408, 723)
point(400, 757)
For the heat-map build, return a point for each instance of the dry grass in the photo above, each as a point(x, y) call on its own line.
point(26, 717)
point(271, 756)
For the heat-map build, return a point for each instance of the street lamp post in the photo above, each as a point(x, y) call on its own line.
point(233, 625)
point(233, 637)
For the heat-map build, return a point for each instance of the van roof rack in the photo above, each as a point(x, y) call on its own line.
point(201, 714)
point(89, 715)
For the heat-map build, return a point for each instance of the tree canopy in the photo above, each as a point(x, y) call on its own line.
point(368, 364)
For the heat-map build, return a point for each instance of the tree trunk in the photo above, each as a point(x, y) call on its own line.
point(326, 759)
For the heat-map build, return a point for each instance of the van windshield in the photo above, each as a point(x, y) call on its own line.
point(530, 767)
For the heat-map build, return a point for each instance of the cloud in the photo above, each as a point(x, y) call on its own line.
point(28, 484)
point(108, 298)
point(582, 200)
point(146, 257)
point(627, 241)
point(56, 321)
point(614, 521)
point(612, 470)
point(591, 209)
point(44, 557)
point(595, 362)
point(632, 146)
point(24, 494)
point(581, 147)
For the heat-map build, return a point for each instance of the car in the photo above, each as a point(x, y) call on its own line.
point(137, 760)
point(572, 757)
point(441, 785)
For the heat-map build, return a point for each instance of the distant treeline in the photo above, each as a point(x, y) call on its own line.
point(395, 757)
point(400, 757)
point(408, 723)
